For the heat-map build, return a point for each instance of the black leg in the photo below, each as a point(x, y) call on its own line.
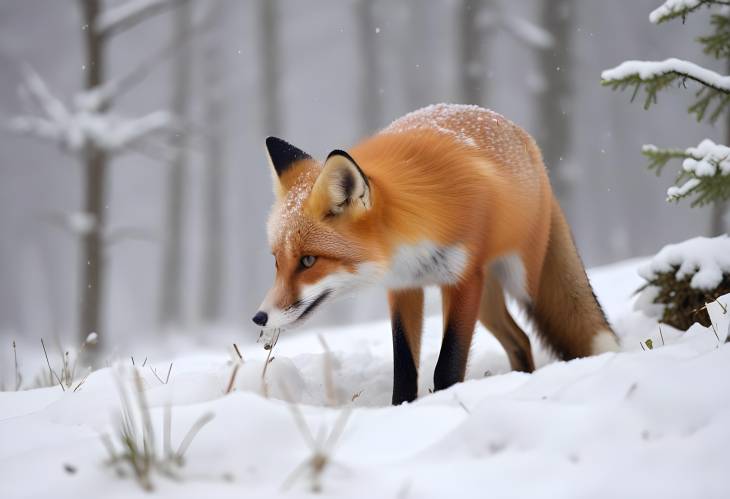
point(452, 359)
point(461, 306)
point(405, 373)
point(406, 317)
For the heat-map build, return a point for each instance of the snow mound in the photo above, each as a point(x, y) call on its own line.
point(705, 259)
point(631, 424)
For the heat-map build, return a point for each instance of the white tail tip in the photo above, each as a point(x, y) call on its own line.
point(605, 341)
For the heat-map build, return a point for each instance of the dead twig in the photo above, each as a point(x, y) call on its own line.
point(50, 369)
point(234, 372)
point(232, 379)
point(80, 383)
point(264, 384)
point(660, 334)
point(167, 378)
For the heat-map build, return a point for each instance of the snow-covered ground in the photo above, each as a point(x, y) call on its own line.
point(640, 423)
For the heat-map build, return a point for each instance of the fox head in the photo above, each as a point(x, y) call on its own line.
point(317, 231)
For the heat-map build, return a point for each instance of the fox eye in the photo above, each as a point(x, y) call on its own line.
point(307, 261)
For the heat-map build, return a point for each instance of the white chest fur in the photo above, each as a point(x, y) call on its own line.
point(425, 264)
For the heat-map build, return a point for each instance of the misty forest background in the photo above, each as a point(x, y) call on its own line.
point(180, 238)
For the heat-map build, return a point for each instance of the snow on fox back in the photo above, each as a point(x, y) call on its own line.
point(472, 126)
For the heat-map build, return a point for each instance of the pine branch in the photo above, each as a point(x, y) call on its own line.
point(672, 9)
point(651, 85)
point(707, 98)
point(705, 173)
point(655, 76)
point(658, 158)
point(717, 44)
point(705, 190)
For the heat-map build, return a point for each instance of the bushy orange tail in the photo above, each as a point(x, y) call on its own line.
point(566, 310)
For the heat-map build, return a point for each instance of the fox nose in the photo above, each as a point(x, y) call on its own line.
point(261, 318)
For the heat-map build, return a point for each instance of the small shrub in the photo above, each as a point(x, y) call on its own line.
point(682, 305)
point(682, 278)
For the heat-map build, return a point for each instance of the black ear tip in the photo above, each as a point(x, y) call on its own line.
point(283, 154)
point(272, 141)
point(340, 152)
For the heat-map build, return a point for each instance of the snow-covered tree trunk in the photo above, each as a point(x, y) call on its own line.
point(172, 296)
point(554, 120)
point(473, 76)
point(269, 65)
point(95, 162)
point(213, 175)
point(370, 107)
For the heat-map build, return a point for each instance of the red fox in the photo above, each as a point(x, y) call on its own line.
point(454, 196)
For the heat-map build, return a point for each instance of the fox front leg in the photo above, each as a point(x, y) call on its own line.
point(406, 316)
point(460, 309)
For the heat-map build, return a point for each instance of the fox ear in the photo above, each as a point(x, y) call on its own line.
point(341, 186)
point(282, 154)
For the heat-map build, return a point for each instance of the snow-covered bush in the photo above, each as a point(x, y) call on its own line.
point(705, 172)
point(683, 277)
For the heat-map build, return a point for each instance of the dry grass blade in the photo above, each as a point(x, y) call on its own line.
point(234, 372)
point(722, 306)
point(299, 418)
point(50, 369)
point(337, 429)
point(154, 371)
point(264, 384)
point(81, 383)
point(232, 379)
point(18, 377)
point(321, 447)
point(329, 386)
point(192, 432)
point(294, 475)
point(714, 330)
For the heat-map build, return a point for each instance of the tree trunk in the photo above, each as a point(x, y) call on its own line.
point(370, 105)
point(471, 53)
point(269, 58)
point(95, 170)
point(213, 173)
point(171, 305)
point(554, 119)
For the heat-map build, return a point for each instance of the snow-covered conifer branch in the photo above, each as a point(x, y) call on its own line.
point(655, 76)
point(83, 123)
point(672, 9)
point(705, 172)
point(658, 158)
